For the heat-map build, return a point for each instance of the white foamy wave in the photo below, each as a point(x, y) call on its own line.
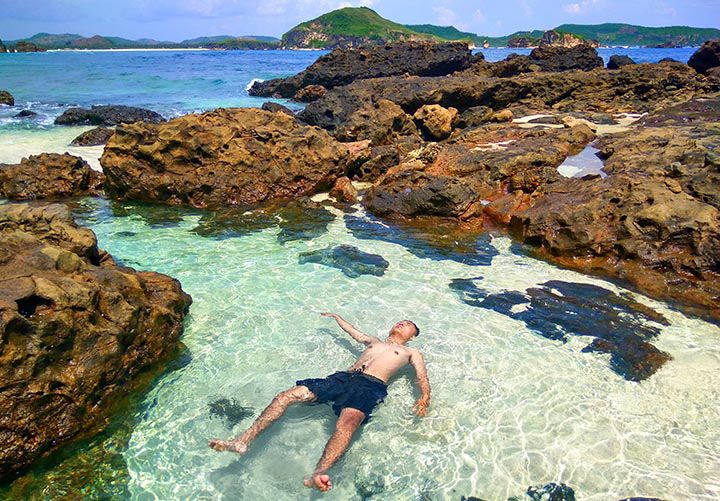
point(252, 82)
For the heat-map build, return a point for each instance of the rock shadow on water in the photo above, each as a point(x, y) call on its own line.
point(436, 240)
point(350, 260)
point(154, 215)
point(556, 310)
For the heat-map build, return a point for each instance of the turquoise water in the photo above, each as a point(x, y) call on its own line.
point(510, 408)
point(512, 405)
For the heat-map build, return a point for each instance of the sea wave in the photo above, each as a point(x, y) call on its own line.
point(252, 82)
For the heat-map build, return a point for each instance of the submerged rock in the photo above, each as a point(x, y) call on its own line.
point(6, 98)
point(26, 114)
point(230, 410)
point(93, 137)
point(432, 239)
point(556, 309)
point(226, 157)
point(77, 330)
point(350, 260)
point(706, 57)
point(107, 115)
point(49, 176)
point(343, 66)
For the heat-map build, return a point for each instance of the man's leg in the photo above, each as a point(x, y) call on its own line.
point(272, 412)
point(349, 421)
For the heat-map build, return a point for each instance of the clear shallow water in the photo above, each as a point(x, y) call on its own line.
point(510, 408)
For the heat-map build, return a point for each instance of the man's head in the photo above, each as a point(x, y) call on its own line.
point(405, 330)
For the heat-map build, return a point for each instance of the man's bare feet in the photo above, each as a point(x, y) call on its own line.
point(229, 445)
point(319, 481)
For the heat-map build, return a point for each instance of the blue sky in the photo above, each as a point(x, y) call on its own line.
point(180, 19)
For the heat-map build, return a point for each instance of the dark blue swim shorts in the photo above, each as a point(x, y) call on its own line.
point(348, 389)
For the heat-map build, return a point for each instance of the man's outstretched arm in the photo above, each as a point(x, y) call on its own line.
point(356, 334)
point(417, 361)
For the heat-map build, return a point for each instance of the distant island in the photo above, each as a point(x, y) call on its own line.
point(355, 26)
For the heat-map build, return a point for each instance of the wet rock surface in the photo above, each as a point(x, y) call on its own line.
point(107, 115)
point(227, 157)
point(26, 114)
point(556, 310)
point(77, 330)
point(343, 66)
point(93, 137)
point(350, 260)
point(48, 176)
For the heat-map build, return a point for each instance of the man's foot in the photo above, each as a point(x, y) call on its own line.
point(229, 445)
point(319, 481)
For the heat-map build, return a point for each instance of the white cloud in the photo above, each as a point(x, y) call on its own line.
point(479, 17)
point(579, 7)
point(445, 16)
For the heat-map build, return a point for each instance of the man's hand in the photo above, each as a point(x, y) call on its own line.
point(421, 406)
point(331, 315)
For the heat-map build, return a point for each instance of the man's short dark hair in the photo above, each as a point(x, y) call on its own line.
point(417, 329)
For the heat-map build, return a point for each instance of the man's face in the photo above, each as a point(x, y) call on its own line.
point(404, 329)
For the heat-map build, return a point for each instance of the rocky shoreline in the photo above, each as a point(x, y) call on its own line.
point(440, 141)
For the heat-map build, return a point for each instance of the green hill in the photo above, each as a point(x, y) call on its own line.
point(350, 26)
point(628, 34)
point(444, 32)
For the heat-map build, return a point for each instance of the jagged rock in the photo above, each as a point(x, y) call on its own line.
point(617, 61)
point(381, 158)
point(93, 137)
point(344, 191)
point(107, 115)
point(706, 57)
point(502, 116)
point(435, 120)
point(48, 176)
point(381, 122)
point(475, 116)
point(2, 47)
point(556, 39)
point(23, 46)
point(76, 331)
point(26, 114)
point(631, 89)
point(350, 260)
point(277, 107)
point(452, 179)
point(6, 98)
point(655, 220)
point(578, 57)
point(343, 66)
point(224, 157)
point(310, 93)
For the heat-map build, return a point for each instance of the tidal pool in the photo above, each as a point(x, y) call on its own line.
point(511, 406)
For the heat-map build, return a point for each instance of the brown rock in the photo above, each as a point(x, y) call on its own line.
point(223, 157)
point(310, 93)
point(76, 331)
point(381, 122)
point(49, 176)
point(6, 98)
point(435, 120)
point(344, 191)
point(706, 57)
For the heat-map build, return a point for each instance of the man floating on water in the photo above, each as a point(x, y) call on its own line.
point(354, 394)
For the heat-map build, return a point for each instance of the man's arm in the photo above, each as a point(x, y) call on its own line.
point(422, 381)
point(357, 335)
